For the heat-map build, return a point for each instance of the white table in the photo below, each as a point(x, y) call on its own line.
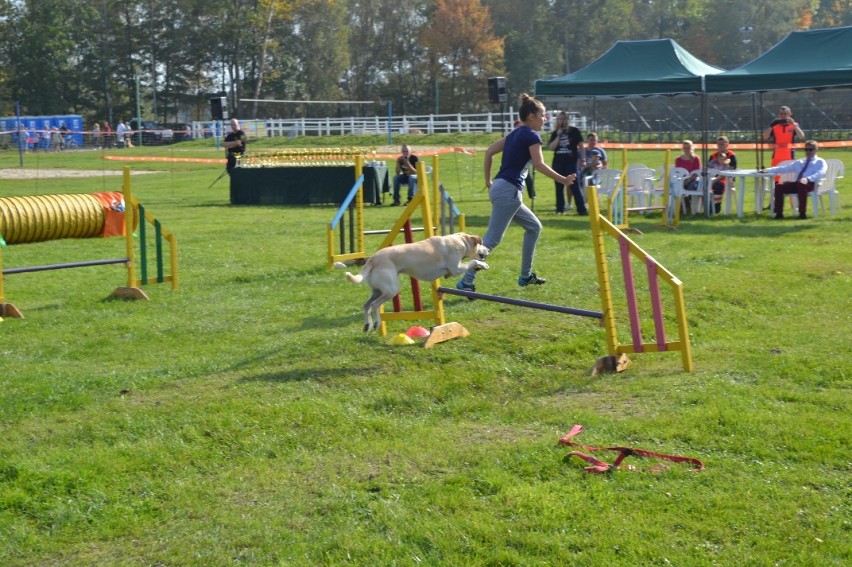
point(760, 187)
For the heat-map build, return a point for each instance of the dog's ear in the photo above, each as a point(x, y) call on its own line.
point(477, 239)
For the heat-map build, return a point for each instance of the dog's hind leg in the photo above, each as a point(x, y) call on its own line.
point(369, 307)
point(377, 303)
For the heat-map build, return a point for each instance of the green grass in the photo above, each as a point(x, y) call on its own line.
point(245, 419)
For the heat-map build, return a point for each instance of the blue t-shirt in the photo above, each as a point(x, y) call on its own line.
point(597, 150)
point(516, 155)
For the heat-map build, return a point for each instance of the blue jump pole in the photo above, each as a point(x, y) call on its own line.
point(65, 265)
point(521, 302)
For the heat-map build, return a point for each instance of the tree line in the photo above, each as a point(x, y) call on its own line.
point(92, 57)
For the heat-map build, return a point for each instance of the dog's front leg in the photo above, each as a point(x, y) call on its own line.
point(476, 265)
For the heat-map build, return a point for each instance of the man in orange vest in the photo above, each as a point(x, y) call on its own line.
point(783, 132)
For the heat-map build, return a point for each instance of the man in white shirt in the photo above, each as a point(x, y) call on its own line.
point(121, 133)
point(809, 170)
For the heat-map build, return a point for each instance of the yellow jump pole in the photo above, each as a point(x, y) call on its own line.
point(330, 234)
point(359, 206)
point(436, 191)
point(683, 328)
point(130, 210)
point(599, 245)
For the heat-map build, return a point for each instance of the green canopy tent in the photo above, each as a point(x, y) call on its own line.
point(656, 67)
point(633, 68)
point(812, 59)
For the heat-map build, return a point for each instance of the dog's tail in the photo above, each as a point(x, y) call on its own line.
point(354, 278)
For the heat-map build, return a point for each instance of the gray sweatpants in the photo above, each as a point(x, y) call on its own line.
point(507, 206)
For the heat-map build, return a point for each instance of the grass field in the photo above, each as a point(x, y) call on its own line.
point(246, 419)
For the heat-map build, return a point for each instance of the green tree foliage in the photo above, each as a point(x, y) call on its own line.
point(86, 56)
point(463, 50)
point(532, 42)
point(386, 55)
point(44, 55)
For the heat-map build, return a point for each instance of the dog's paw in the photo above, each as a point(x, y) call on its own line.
point(479, 265)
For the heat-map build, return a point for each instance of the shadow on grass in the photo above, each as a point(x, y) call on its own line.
point(313, 374)
point(340, 322)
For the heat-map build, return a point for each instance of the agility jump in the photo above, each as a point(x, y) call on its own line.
point(51, 217)
point(451, 219)
point(601, 226)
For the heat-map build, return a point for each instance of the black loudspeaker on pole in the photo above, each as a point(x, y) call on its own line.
point(496, 89)
point(219, 108)
point(497, 95)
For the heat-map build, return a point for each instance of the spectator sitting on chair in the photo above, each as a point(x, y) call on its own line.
point(595, 156)
point(690, 162)
point(723, 159)
point(405, 166)
point(809, 170)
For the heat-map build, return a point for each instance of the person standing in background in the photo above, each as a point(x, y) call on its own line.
point(234, 144)
point(783, 132)
point(567, 145)
point(120, 134)
point(96, 135)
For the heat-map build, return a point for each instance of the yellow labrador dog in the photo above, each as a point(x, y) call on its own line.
point(427, 260)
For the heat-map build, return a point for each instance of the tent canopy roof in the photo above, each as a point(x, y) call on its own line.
point(633, 68)
point(814, 59)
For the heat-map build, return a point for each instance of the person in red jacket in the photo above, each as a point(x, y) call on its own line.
point(783, 132)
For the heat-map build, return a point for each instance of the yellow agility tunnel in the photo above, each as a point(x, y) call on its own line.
point(51, 217)
point(27, 219)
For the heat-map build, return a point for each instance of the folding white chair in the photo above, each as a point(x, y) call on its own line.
point(606, 180)
point(639, 184)
point(827, 187)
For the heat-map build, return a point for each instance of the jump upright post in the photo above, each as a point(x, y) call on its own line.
point(602, 226)
point(403, 224)
point(50, 217)
point(357, 250)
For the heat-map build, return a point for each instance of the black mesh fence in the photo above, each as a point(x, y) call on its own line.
point(822, 115)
